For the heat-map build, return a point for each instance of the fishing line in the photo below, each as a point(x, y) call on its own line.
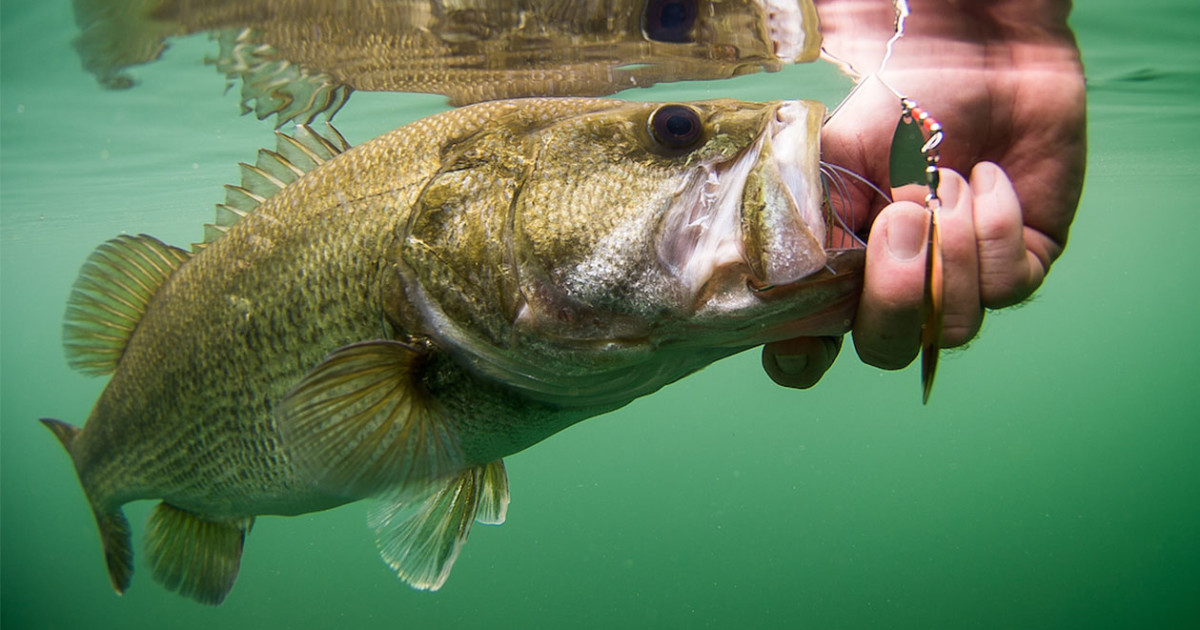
point(916, 128)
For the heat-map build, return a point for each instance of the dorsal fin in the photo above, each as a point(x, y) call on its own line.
point(294, 155)
point(109, 298)
point(272, 85)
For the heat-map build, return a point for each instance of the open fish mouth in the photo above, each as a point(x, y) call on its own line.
point(825, 298)
point(792, 29)
point(765, 223)
point(812, 220)
point(844, 248)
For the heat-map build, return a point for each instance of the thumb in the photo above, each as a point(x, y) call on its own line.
point(800, 362)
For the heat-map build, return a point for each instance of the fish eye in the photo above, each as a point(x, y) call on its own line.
point(669, 20)
point(675, 126)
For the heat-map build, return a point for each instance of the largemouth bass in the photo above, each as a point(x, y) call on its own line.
point(298, 58)
point(391, 320)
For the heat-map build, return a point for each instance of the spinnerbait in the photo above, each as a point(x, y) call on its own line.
point(917, 133)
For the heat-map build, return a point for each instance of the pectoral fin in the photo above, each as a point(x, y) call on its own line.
point(195, 556)
point(362, 422)
point(420, 533)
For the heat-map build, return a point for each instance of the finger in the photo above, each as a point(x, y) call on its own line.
point(1009, 271)
point(888, 322)
point(800, 362)
point(963, 314)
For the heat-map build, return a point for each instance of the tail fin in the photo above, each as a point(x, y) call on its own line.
point(114, 35)
point(118, 551)
point(64, 432)
point(114, 529)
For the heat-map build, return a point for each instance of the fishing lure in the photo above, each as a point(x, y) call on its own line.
point(913, 159)
point(918, 133)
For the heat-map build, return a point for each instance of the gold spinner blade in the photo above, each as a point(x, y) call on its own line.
point(919, 134)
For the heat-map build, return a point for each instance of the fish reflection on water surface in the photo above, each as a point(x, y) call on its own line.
point(298, 58)
point(389, 321)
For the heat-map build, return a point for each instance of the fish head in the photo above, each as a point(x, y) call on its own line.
point(765, 32)
point(641, 241)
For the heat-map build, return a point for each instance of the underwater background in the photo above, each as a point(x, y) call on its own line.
point(1052, 482)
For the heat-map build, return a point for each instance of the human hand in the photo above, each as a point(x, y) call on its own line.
point(1005, 81)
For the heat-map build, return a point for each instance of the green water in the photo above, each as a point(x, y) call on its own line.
point(1054, 481)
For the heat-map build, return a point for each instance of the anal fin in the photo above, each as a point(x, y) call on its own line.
point(493, 497)
point(197, 557)
point(421, 533)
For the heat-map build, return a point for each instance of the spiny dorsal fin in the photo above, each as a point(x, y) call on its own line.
point(294, 155)
point(109, 298)
point(361, 421)
point(274, 86)
point(420, 533)
point(195, 556)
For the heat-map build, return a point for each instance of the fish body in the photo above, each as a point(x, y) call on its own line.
point(391, 320)
point(297, 58)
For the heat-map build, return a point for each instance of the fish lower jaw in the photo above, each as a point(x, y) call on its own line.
point(822, 304)
point(834, 317)
point(834, 320)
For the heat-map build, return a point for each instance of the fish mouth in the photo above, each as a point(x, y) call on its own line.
point(763, 219)
point(758, 240)
point(822, 303)
point(792, 29)
point(830, 298)
point(803, 255)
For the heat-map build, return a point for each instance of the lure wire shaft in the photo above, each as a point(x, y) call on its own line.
point(933, 134)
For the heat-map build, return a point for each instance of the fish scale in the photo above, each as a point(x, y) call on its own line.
point(298, 58)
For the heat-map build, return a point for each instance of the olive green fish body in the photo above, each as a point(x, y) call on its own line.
point(392, 320)
point(297, 58)
point(225, 337)
point(236, 326)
